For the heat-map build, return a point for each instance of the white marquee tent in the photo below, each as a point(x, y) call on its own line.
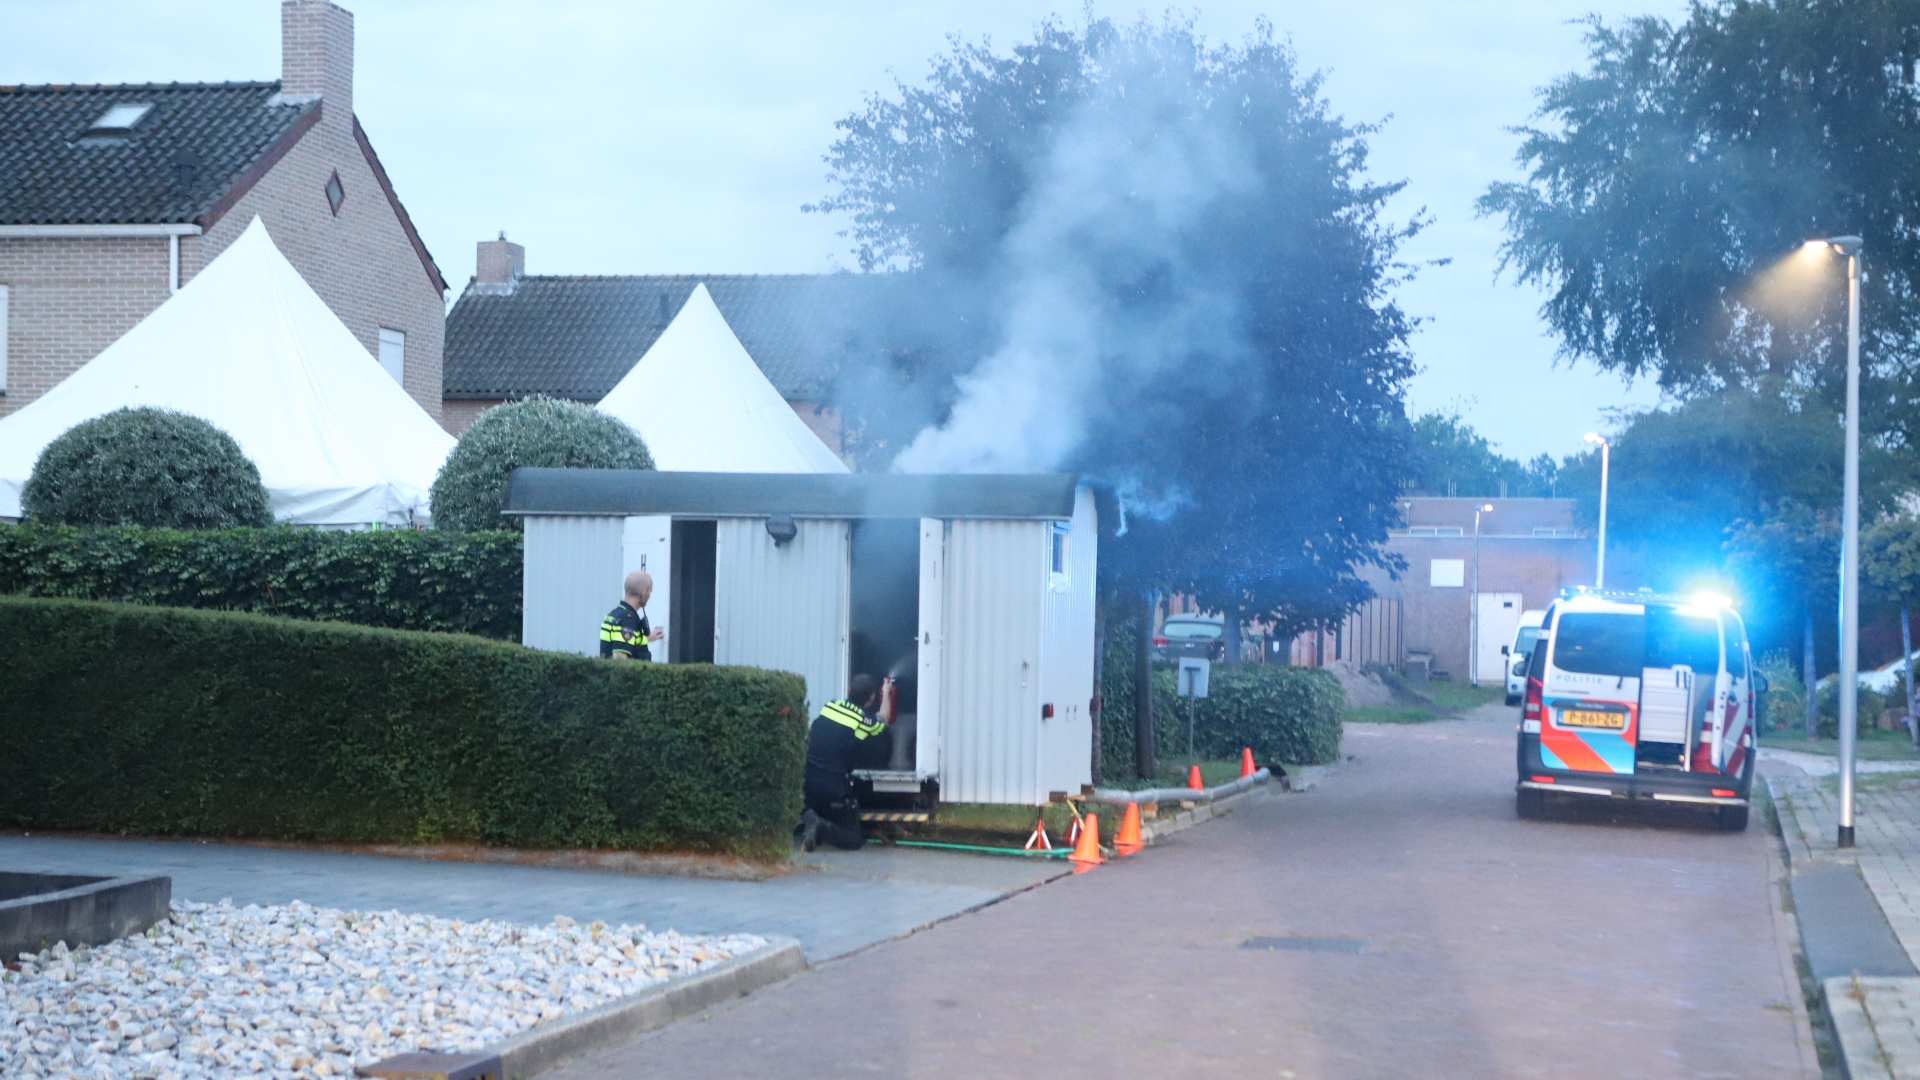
point(703, 405)
point(249, 347)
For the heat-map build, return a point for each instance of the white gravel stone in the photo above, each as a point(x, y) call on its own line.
point(299, 991)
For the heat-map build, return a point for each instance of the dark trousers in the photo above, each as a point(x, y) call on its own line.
point(839, 820)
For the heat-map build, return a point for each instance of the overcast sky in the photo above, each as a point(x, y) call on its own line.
point(623, 137)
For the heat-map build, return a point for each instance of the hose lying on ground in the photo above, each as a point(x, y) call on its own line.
point(1118, 797)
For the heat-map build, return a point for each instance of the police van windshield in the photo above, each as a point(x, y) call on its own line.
point(1599, 643)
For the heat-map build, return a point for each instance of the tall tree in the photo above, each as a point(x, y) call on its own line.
point(1786, 559)
point(1123, 250)
point(1890, 558)
point(1690, 158)
point(1450, 458)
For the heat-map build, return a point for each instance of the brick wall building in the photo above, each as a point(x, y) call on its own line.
point(1528, 550)
point(116, 195)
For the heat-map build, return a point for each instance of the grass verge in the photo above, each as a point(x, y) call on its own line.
point(1873, 744)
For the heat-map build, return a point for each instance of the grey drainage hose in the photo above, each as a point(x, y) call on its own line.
point(1117, 797)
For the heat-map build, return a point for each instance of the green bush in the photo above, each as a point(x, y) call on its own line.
point(162, 721)
point(535, 433)
point(145, 467)
point(404, 579)
point(1284, 713)
point(1784, 705)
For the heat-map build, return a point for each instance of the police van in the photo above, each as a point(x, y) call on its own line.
point(1638, 696)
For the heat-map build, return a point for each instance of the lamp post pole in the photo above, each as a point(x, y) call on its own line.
point(1850, 547)
point(1473, 612)
point(1600, 558)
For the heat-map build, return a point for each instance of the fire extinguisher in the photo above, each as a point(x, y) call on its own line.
point(887, 708)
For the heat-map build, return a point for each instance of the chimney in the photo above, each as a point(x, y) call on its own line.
point(499, 262)
point(316, 55)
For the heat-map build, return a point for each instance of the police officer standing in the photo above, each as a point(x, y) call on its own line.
point(844, 737)
point(624, 633)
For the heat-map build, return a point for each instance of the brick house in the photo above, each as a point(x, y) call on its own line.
point(1528, 550)
point(512, 335)
point(112, 197)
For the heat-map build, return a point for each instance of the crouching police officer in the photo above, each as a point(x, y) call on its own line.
point(844, 737)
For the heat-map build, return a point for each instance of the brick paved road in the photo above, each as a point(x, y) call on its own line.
point(1649, 947)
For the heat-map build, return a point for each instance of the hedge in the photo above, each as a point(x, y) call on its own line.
point(404, 579)
point(1285, 714)
point(163, 721)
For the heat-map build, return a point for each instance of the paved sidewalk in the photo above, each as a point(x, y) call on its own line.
point(1875, 1016)
point(838, 903)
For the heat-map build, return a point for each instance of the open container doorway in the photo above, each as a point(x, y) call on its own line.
point(884, 619)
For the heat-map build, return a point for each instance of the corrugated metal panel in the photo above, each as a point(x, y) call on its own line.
point(784, 606)
point(1066, 655)
point(990, 677)
point(572, 579)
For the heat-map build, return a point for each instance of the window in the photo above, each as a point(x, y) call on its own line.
point(1436, 530)
point(1540, 530)
point(335, 193)
point(393, 354)
point(1601, 643)
point(1059, 549)
point(3, 340)
point(1447, 573)
point(121, 117)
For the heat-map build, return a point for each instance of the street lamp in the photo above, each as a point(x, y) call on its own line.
point(1473, 613)
point(1849, 246)
point(1600, 561)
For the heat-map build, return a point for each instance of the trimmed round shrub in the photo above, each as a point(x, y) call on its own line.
point(541, 433)
point(153, 467)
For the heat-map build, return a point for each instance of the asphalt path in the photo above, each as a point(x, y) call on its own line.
point(1423, 931)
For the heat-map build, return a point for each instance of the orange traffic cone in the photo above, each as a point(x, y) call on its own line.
point(1193, 778)
point(1038, 841)
point(1127, 840)
point(1086, 854)
point(1246, 761)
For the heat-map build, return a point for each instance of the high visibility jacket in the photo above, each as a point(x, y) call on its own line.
point(842, 739)
point(848, 714)
point(625, 631)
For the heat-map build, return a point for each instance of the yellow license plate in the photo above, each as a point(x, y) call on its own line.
point(1593, 718)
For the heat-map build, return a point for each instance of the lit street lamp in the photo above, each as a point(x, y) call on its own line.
point(1473, 655)
point(1849, 246)
point(1600, 561)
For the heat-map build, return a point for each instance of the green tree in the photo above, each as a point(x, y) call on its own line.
point(144, 466)
point(1788, 560)
point(1689, 158)
point(1131, 253)
point(1890, 561)
point(535, 433)
point(1452, 459)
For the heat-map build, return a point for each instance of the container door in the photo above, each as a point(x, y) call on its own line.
point(646, 543)
point(933, 578)
point(1498, 620)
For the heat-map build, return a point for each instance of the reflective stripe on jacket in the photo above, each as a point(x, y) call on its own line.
point(847, 714)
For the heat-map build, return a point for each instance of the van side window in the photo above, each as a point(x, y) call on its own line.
point(1600, 643)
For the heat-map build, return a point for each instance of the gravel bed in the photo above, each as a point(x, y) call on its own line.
point(221, 991)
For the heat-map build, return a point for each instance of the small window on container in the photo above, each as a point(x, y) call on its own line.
point(1058, 554)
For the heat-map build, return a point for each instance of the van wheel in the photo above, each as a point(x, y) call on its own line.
point(1530, 804)
point(1733, 818)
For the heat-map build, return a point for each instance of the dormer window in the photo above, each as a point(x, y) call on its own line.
point(335, 193)
point(120, 119)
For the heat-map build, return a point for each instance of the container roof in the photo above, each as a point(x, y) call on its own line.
point(621, 492)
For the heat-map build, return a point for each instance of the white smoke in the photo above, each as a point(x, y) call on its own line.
point(1097, 296)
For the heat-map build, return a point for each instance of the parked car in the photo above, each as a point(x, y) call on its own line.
point(1517, 653)
point(1637, 696)
point(1191, 635)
